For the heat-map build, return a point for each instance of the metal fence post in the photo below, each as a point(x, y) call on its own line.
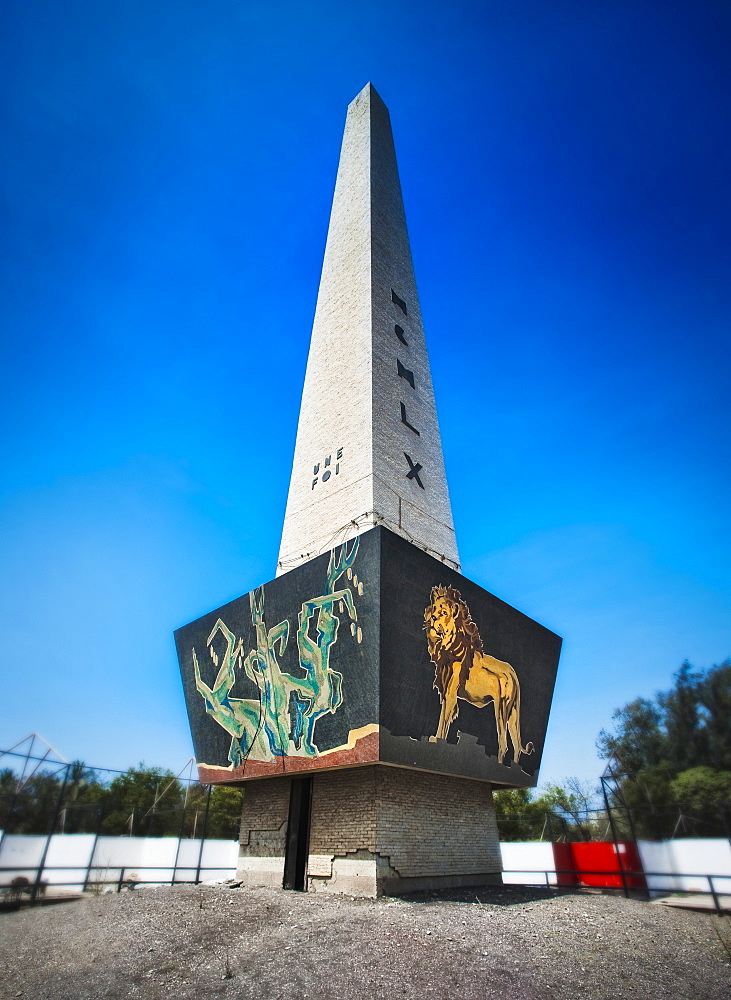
point(42, 863)
point(180, 837)
point(716, 900)
point(614, 838)
point(100, 817)
point(204, 831)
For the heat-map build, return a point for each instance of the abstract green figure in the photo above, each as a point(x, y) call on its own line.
point(281, 722)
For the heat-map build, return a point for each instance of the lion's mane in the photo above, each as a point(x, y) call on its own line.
point(467, 640)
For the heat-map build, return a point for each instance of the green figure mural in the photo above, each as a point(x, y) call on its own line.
point(281, 722)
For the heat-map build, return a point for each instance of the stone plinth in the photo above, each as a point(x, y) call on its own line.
point(375, 830)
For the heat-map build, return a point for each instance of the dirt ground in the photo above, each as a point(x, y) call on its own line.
point(205, 941)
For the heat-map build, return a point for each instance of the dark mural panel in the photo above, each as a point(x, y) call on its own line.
point(286, 677)
point(374, 651)
point(466, 680)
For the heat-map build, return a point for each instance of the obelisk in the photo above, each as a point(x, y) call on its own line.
point(370, 696)
point(368, 447)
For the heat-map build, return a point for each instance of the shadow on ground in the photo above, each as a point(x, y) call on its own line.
point(503, 895)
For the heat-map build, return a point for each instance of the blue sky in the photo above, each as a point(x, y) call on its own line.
point(165, 183)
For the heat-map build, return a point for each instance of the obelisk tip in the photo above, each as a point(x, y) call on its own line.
point(370, 93)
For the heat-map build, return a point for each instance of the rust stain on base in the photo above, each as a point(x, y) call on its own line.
point(363, 750)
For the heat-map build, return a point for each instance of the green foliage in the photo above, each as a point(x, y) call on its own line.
point(645, 807)
point(519, 818)
point(33, 804)
point(82, 801)
point(573, 802)
point(683, 718)
point(702, 790)
point(224, 818)
point(638, 736)
point(560, 812)
point(716, 702)
point(224, 812)
point(143, 801)
point(663, 803)
point(685, 727)
point(133, 807)
point(675, 756)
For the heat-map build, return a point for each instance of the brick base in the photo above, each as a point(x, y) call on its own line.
point(376, 830)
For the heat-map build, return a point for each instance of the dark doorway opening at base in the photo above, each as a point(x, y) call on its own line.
point(298, 834)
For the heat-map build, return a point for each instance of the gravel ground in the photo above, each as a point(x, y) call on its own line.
point(197, 942)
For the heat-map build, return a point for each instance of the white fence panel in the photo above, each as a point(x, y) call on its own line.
point(187, 866)
point(220, 858)
point(158, 859)
point(527, 863)
point(21, 854)
point(692, 858)
point(142, 859)
point(68, 849)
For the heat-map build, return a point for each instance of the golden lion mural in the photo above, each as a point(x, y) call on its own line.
point(464, 671)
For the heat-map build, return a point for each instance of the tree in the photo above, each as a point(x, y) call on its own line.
point(8, 788)
point(144, 801)
point(518, 816)
point(30, 806)
point(684, 727)
point(638, 740)
point(224, 812)
point(83, 802)
point(644, 806)
point(574, 803)
point(703, 792)
point(686, 742)
point(715, 698)
point(673, 754)
point(224, 818)
point(560, 811)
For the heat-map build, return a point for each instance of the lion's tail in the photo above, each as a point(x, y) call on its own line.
point(528, 748)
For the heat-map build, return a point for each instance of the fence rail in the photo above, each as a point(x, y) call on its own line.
point(626, 888)
point(127, 876)
point(48, 861)
point(124, 878)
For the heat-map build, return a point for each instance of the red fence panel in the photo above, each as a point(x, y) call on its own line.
point(601, 864)
point(563, 859)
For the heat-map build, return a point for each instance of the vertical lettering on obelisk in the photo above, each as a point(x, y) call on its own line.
point(405, 420)
point(414, 470)
point(405, 374)
point(399, 302)
point(328, 469)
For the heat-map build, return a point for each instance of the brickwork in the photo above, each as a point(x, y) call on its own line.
point(350, 415)
point(375, 829)
point(264, 816)
point(343, 812)
point(432, 825)
point(385, 829)
point(423, 516)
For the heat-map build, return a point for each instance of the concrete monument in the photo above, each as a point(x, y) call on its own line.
point(369, 696)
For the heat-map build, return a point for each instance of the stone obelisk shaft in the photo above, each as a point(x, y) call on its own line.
point(368, 446)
